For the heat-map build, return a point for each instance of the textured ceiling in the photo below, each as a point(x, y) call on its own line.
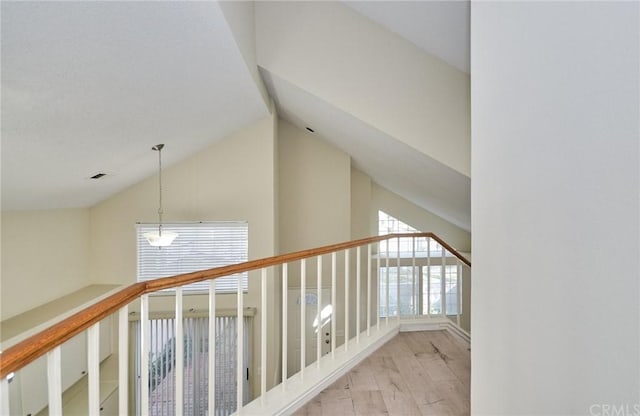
point(89, 87)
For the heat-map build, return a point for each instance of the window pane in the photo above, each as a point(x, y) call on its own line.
point(408, 286)
point(199, 246)
point(432, 290)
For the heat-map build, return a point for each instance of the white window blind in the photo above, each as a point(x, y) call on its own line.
point(198, 246)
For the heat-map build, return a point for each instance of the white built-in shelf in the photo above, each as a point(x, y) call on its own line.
point(26, 324)
point(75, 401)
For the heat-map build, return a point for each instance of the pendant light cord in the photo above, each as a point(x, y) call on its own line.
point(159, 147)
point(160, 193)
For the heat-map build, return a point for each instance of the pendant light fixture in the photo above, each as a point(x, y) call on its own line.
point(161, 238)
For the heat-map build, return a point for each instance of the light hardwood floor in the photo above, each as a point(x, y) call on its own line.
point(416, 373)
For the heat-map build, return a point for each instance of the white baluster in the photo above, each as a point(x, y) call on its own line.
point(93, 368)
point(368, 317)
point(4, 396)
point(123, 360)
point(240, 373)
point(212, 348)
point(303, 316)
point(333, 304)
point(346, 299)
point(429, 276)
point(379, 285)
point(458, 291)
point(386, 318)
point(414, 292)
point(263, 338)
point(285, 313)
point(398, 280)
point(144, 355)
point(358, 278)
point(179, 386)
point(319, 311)
point(443, 283)
point(54, 377)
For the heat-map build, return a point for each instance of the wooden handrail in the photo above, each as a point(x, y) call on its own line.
point(23, 353)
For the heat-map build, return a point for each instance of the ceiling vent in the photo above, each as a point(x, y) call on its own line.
point(98, 175)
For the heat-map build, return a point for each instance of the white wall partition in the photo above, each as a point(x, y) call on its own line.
point(555, 207)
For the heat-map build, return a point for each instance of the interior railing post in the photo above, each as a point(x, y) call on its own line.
point(346, 299)
point(123, 360)
point(358, 278)
point(240, 347)
point(5, 408)
point(211, 390)
point(458, 291)
point(263, 337)
point(334, 305)
point(179, 391)
point(398, 281)
point(378, 285)
point(414, 292)
point(443, 283)
point(54, 377)
point(429, 276)
point(144, 354)
point(303, 316)
point(368, 315)
point(319, 310)
point(285, 313)
point(166, 332)
point(388, 309)
point(93, 368)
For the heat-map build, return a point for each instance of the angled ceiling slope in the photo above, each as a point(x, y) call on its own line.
point(438, 27)
point(389, 162)
point(401, 113)
point(89, 87)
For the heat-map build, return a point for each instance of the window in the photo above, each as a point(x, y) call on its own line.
point(390, 225)
point(420, 280)
point(198, 246)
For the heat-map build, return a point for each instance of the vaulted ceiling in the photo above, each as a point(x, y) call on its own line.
point(89, 87)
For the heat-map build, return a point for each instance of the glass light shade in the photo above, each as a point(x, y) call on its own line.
point(157, 240)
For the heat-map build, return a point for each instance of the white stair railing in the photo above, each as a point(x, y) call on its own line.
point(405, 264)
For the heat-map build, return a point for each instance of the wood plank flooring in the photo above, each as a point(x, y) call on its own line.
point(416, 373)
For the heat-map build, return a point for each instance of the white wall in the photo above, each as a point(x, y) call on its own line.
point(555, 207)
point(315, 193)
point(45, 255)
point(362, 222)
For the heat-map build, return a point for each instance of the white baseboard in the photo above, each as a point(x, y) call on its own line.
point(301, 388)
point(286, 398)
